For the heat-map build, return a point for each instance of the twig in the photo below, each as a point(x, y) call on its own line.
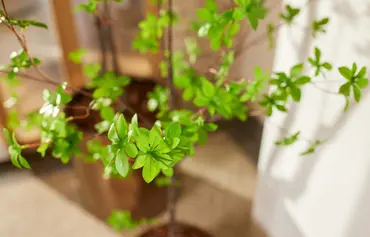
point(110, 37)
point(79, 117)
point(103, 48)
point(171, 203)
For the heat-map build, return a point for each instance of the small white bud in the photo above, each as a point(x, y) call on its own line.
point(13, 54)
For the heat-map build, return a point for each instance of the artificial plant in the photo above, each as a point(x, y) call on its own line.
point(159, 147)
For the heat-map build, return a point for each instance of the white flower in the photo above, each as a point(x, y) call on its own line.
point(10, 102)
point(13, 54)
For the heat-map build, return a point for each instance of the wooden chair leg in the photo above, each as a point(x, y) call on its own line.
point(68, 39)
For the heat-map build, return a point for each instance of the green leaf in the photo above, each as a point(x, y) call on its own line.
point(234, 29)
point(77, 55)
point(24, 163)
point(362, 72)
point(302, 80)
point(173, 130)
point(345, 89)
point(42, 149)
point(131, 150)
point(155, 136)
point(356, 92)
point(211, 127)
point(296, 70)
point(327, 66)
point(107, 113)
point(317, 54)
point(296, 93)
point(168, 172)
point(91, 70)
point(204, 14)
point(7, 136)
point(208, 88)
point(112, 134)
point(151, 170)
point(120, 220)
point(346, 72)
point(362, 82)
point(312, 148)
point(289, 140)
point(14, 154)
point(27, 23)
point(203, 31)
point(122, 165)
point(140, 161)
point(121, 126)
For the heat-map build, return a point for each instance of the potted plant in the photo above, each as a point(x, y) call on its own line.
point(154, 149)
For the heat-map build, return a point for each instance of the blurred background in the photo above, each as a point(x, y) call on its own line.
point(52, 199)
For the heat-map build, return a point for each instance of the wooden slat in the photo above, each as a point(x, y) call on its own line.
point(67, 34)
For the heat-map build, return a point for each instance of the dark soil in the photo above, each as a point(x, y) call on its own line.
point(181, 230)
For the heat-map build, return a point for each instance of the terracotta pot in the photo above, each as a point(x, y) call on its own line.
point(180, 230)
point(100, 196)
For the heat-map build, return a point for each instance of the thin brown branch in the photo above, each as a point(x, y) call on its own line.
point(79, 117)
point(50, 82)
point(110, 36)
point(172, 189)
point(103, 48)
point(4, 8)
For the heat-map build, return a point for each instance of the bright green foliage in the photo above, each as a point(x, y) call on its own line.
point(91, 70)
point(152, 30)
point(77, 55)
point(192, 49)
point(271, 29)
point(355, 81)
point(194, 128)
point(158, 101)
point(271, 102)
point(162, 181)
point(289, 140)
point(220, 100)
point(185, 76)
point(289, 85)
point(13, 120)
point(227, 61)
point(90, 6)
point(54, 100)
point(19, 61)
point(109, 85)
point(122, 147)
point(312, 148)
point(254, 88)
point(290, 14)
point(317, 64)
point(15, 150)
point(254, 10)
point(221, 27)
point(158, 151)
point(56, 132)
point(319, 26)
point(96, 151)
point(33, 119)
point(122, 220)
point(26, 23)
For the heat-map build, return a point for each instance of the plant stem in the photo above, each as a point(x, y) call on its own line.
point(103, 48)
point(79, 117)
point(171, 202)
point(110, 37)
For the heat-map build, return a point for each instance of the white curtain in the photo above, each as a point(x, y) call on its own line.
point(326, 194)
